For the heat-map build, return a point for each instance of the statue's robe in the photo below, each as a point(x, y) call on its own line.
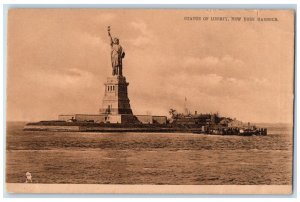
point(116, 55)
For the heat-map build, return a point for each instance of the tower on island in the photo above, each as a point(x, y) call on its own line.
point(115, 101)
point(115, 104)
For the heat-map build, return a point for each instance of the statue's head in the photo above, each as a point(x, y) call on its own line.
point(116, 41)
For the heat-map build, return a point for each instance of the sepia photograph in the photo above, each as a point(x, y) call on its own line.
point(169, 101)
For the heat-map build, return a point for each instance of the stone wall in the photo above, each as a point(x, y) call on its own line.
point(114, 118)
point(149, 119)
point(145, 119)
point(160, 119)
point(65, 117)
point(97, 118)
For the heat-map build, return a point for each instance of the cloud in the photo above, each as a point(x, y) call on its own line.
point(225, 65)
point(85, 38)
point(140, 26)
point(64, 79)
point(101, 18)
point(143, 35)
point(208, 61)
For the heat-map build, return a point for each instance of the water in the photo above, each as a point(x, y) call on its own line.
point(149, 158)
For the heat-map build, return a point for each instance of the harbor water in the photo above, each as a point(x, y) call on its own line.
point(149, 158)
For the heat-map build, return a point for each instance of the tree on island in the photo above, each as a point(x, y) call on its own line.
point(174, 114)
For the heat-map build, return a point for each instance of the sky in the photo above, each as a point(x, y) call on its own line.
point(59, 59)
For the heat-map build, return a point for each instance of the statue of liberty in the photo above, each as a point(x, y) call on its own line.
point(117, 54)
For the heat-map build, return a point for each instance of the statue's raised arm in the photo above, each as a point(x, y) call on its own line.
point(111, 40)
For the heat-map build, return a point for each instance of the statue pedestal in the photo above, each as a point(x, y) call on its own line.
point(115, 101)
